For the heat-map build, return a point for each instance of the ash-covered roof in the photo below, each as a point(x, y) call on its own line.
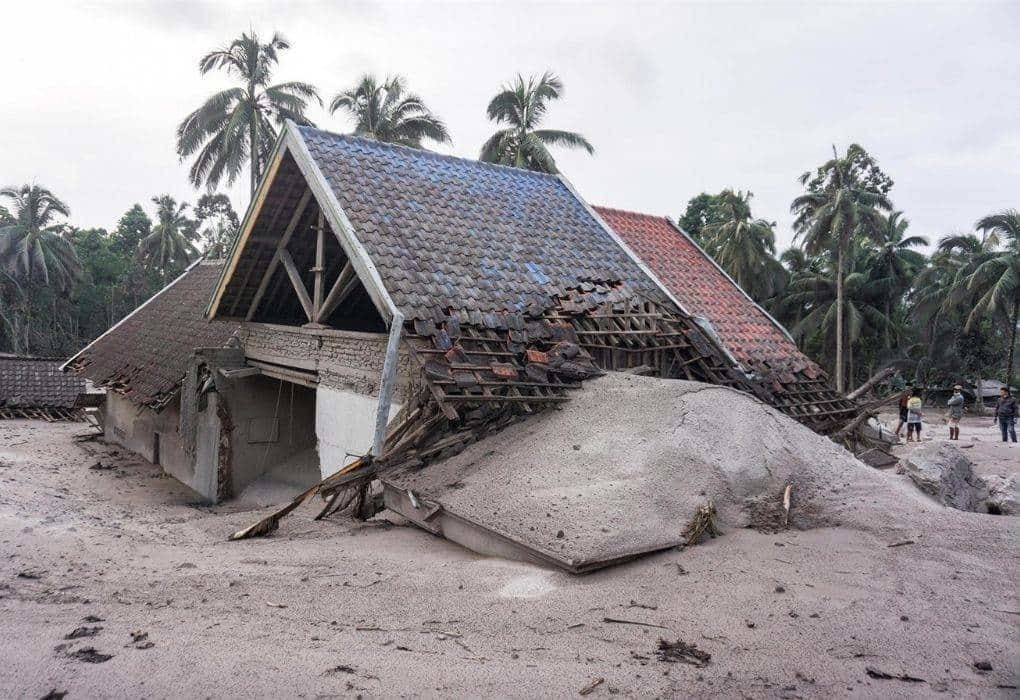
point(450, 232)
point(442, 232)
point(146, 355)
point(37, 382)
point(704, 290)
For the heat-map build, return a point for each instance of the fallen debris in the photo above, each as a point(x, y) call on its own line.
point(82, 632)
point(588, 689)
point(342, 668)
point(89, 655)
point(99, 466)
point(54, 694)
point(701, 525)
point(682, 652)
point(31, 575)
point(901, 544)
point(618, 621)
point(983, 665)
point(878, 673)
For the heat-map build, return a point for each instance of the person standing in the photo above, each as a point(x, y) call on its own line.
point(955, 404)
point(914, 415)
point(1005, 414)
point(908, 391)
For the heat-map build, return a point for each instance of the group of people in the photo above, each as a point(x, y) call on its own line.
point(912, 413)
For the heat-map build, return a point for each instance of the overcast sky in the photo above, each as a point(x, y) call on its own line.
point(677, 98)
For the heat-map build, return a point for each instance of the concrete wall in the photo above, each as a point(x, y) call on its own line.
point(135, 428)
point(272, 421)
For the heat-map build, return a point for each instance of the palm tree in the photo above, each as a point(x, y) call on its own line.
point(238, 126)
point(838, 206)
point(387, 113)
point(31, 242)
point(995, 280)
point(813, 295)
point(522, 106)
point(892, 262)
point(743, 246)
point(168, 247)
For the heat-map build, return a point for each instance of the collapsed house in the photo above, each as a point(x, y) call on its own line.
point(383, 309)
point(34, 387)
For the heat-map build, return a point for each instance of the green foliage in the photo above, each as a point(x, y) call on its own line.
point(743, 246)
point(33, 247)
point(218, 224)
point(521, 106)
point(237, 127)
point(387, 112)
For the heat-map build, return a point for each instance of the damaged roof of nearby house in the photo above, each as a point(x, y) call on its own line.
point(145, 356)
point(441, 232)
point(37, 382)
point(704, 288)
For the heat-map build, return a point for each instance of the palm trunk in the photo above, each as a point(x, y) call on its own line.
point(1012, 341)
point(253, 145)
point(888, 318)
point(839, 320)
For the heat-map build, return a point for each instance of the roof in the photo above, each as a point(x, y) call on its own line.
point(444, 232)
point(37, 382)
point(146, 355)
point(704, 289)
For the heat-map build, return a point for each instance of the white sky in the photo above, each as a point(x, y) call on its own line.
point(676, 97)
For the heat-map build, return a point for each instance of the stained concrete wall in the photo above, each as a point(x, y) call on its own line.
point(136, 427)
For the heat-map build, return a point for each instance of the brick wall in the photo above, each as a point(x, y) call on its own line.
point(342, 359)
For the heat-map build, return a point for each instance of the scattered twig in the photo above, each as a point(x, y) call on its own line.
point(901, 544)
point(878, 673)
point(618, 621)
point(591, 686)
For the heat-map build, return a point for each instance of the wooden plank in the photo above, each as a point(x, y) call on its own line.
point(343, 286)
point(295, 279)
point(319, 266)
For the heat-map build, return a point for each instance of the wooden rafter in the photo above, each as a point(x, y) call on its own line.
point(284, 240)
point(283, 255)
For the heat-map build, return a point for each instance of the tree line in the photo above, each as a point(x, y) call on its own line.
point(854, 290)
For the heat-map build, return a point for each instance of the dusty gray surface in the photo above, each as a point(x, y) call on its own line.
point(625, 465)
point(405, 613)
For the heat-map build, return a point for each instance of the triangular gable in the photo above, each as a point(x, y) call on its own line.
point(295, 261)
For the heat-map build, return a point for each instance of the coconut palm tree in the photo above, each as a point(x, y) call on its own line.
point(840, 204)
point(813, 295)
point(521, 106)
point(387, 112)
point(32, 244)
point(168, 247)
point(237, 127)
point(892, 262)
point(743, 246)
point(995, 279)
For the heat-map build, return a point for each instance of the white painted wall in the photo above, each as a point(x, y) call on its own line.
point(344, 426)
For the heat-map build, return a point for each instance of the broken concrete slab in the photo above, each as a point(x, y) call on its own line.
point(946, 474)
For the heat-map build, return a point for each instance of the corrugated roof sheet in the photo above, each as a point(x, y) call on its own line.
point(37, 382)
point(447, 232)
point(703, 289)
point(146, 355)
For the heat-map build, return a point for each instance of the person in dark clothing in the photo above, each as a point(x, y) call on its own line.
point(1005, 414)
point(908, 391)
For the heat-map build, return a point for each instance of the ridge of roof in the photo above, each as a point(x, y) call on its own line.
point(631, 212)
point(426, 153)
